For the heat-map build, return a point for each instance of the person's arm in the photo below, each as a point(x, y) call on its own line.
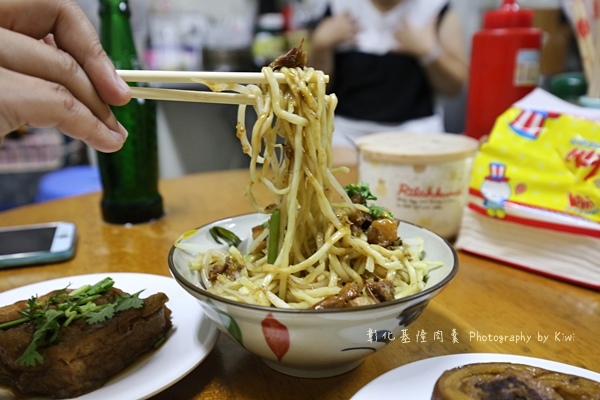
point(54, 72)
point(441, 51)
point(330, 32)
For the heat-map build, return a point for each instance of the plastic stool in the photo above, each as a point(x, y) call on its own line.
point(69, 181)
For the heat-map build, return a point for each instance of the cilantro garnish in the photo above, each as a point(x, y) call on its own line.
point(61, 309)
point(360, 189)
point(362, 193)
point(378, 212)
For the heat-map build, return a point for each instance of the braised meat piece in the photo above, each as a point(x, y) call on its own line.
point(358, 198)
point(83, 356)
point(296, 57)
point(350, 295)
point(361, 220)
point(380, 290)
point(383, 232)
point(349, 292)
point(482, 381)
point(229, 269)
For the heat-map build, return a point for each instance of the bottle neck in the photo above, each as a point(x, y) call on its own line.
point(116, 34)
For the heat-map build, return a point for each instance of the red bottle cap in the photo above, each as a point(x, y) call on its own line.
point(509, 15)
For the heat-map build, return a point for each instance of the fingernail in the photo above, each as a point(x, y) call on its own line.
point(121, 134)
point(121, 83)
point(119, 137)
point(123, 131)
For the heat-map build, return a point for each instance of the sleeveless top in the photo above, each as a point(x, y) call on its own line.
point(372, 82)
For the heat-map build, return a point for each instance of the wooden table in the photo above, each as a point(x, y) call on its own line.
point(485, 298)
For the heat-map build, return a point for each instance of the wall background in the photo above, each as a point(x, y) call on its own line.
point(200, 137)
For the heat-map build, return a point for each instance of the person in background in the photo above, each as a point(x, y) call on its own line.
point(387, 61)
point(55, 73)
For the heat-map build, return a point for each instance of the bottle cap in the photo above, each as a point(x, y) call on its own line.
point(509, 15)
point(568, 85)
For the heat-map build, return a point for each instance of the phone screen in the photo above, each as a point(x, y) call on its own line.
point(26, 240)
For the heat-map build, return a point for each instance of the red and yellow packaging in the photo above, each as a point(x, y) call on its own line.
point(534, 196)
point(540, 159)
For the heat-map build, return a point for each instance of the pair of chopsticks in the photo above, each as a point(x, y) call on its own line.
point(203, 77)
point(191, 96)
point(587, 31)
point(189, 77)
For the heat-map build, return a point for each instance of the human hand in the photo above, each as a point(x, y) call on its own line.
point(335, 30)
point(414, 40)
point(54, 72)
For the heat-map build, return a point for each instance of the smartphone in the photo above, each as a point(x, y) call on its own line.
point(37, 244)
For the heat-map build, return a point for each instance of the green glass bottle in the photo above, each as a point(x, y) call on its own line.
point(130, 175)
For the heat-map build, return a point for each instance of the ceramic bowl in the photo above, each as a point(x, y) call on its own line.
point(311, 343)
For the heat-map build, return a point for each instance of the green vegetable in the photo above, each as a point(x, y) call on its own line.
point(378, 212)
point(273, 244)
point(361, 189)
point(226, 235)
point(62, 309)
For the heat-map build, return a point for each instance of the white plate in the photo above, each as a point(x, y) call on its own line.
point(415, 381)
point(192, 338)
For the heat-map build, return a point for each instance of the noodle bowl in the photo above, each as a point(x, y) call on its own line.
point(316, 279)
point(312, 252)
point(307, 342)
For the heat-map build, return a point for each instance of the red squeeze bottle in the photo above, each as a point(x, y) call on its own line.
point(505, 65)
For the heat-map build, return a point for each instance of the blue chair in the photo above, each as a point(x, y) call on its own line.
point(69, 181)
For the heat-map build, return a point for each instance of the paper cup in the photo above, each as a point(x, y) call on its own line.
point(421, 178)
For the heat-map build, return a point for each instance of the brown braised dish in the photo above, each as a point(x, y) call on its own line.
point(508, 381)
point(65, 344)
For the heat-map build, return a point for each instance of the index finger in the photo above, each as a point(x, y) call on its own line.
point(66, 21)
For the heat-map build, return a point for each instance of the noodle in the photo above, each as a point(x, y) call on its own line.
point(318, 252)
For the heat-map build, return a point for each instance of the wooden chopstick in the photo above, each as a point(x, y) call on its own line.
point(191, 96)
point(594, 89)
point(585, 42)
point(198, 77)
point(208, 77)
point(193, 76)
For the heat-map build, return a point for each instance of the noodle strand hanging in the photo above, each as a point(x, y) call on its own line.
point(327, 247)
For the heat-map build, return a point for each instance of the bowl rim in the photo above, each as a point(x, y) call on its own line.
point(379, 306)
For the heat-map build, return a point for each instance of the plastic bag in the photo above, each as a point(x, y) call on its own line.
point(541, 159)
